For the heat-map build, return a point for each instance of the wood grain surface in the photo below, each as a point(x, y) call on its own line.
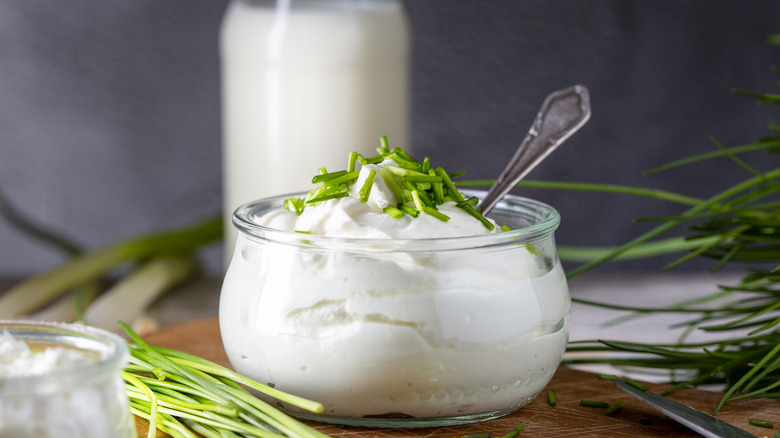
point(567, 419)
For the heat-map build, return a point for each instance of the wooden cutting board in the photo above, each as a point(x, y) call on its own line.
point(201, 337)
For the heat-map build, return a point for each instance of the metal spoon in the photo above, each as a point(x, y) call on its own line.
point(561, 115)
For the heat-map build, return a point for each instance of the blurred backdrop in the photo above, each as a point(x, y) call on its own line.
point(110, 110)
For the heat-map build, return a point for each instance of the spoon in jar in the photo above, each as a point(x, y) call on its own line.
point(561, 115)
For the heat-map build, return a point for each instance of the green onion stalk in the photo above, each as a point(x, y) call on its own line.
point(740, 224)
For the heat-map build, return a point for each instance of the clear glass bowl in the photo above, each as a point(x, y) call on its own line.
point(85, 399)
point(399, 333)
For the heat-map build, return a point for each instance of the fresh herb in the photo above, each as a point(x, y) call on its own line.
point(594, 404)
point(178, 392)
point(636, 385)
point(613, 407)
point(515, 432)
point(761, 423)
point(551, 398)
point(416, 186)
point(606, 376)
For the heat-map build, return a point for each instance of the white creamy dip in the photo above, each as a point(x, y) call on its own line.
point(49, 391)
point(426, 333)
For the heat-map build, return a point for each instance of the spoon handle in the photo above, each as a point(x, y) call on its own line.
point(561, 115)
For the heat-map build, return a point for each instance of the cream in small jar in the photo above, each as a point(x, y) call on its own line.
point(62, 380)
point(396, 322)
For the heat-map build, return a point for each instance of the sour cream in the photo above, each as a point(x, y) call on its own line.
point(381, 318)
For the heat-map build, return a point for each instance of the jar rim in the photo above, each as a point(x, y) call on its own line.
point(112, 354)
point(543, 218)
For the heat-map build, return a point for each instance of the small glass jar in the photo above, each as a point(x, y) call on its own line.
point(85, 399)
point(399, 333)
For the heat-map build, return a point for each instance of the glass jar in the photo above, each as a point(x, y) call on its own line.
point(305, 82)
point(85, 399)
point(399, 333)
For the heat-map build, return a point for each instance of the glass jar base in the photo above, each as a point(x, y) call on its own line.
point(406, 422)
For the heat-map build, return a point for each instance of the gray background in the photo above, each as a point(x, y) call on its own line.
point(110, 123)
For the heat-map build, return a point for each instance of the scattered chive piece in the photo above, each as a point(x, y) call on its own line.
point(327, 196)
point(327, 176)
point(613, 407)
point(393, 212)
point(303, 232)
point(644, 421)
point(417, 201)
point(474, 212)
point(436, 213)
point(606, 376)
point(472, 201)
point(353, 156)
point(505, 228)
point(761, 423)
point(383, 147)
point(392, 184)
point(365, 191)
point(516, 431)
point(551, 398)
point(477, 435)
point(408, 210)
point(456, 195)
point(594, 404)
point(636, 385)
point(426, 165)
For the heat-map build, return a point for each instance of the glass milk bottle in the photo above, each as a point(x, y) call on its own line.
point(305, 82)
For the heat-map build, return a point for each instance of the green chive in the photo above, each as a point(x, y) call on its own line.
point(327, 196)
point(505, 228)
point(327, 176)
point(477, 435)
point(408, 210)
point(417, 201)
point(383, 147)
point(636, 385)
point(477, 215)
point(594, 404)
point(516, 431)
point(456, 195)
point(426, 165)
point(613, 407)
point(393, 212)
point(343, 178)
point(761, 423)
point(351, 162)
point(392, 184)
point(436, 213)
point(551, 398)
point(606, 376)
point(365, 191)
point(303, 232)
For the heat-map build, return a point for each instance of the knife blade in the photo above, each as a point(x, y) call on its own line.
point(697, 421)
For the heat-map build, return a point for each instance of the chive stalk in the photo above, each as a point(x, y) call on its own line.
point(594, 404)
point(761, 423)
point(551, 398)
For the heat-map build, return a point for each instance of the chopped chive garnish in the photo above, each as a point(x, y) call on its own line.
point(457, 174)
point(365, 191)
point(613, 407)
point(606, 376)
point(303, 232)
point(761, 423)
point(456, 195)
point(426, 165)
point(472, 211)
point(392, 184)
point(408, 210)
point(436, 213)
point(393, 212)
point(295, 205)
point(327, 176)
point(383, 147)
point(505, 228)
point(422, 178)
point(353, 156)
point(472, 201)
point(636, 385)
point(322, 170)
point(516, 431)
point(644, 421)
point(362, 160)
point(373, 160)
point(343, 178)
point(594, 404)
point(328, 196)
point(477, 435)
point(417, 201)
point(551, 398)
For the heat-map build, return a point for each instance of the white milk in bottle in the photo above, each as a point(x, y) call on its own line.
point(305, 82)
